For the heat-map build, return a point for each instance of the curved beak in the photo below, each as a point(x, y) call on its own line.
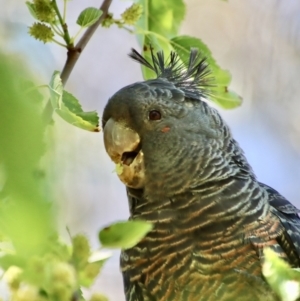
point(119, 139)
point(123, 146)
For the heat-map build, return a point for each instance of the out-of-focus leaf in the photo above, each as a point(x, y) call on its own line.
point(98, 297)
point(161, 16)
point(219, 92)
point(89, 16)
point(9, 260)
point(58, 248)
point(33, 91)
point(26, 217)
point(159, 22)
point(284, 280)
point(31, 8)
point(124, 235)
point(69, 108)
point(99, 256)
point(88, 274)
point(81, 250)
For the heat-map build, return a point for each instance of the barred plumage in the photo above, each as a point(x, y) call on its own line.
point(189, 177)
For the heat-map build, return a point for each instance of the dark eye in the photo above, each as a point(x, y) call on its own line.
point(154, 115)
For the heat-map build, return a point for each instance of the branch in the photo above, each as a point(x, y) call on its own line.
point(74, 53)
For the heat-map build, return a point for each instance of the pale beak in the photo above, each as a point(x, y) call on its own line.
point(123, 146)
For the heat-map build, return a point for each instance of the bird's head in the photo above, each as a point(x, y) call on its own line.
point(160, 131)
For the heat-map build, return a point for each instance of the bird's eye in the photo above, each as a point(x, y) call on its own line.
point(154, 115)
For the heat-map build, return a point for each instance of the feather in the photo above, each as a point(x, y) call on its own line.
point(194, 78)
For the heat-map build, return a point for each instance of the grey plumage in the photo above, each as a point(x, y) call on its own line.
point(211, 216)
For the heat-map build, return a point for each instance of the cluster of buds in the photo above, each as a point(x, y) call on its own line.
point(56, 275)
point(43, 11)
point(132, 14)
point(129, 17)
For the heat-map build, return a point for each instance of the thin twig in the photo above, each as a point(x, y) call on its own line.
point(59, 43)
point(65, 10)
point(57, 30)
point(74, 53)
point(62, 23)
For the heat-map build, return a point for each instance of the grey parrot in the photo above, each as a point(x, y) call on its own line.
point(185, 174)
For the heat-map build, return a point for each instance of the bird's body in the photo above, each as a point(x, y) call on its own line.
point(212, 218)
point(202, 250)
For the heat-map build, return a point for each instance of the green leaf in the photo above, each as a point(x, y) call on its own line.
point(32, 10)
point(33, 91)
point(89, 16)
point(156, 44)
point(159, 22)
point(284, 280)
point(124, 235)
point(58, 248)
point(161, 16)
point(158, 26)
point(98, 297)
point(81, 250)
point(8, 260)
point(219, 93)
point(91, 269)
point(88, 274)
point(25, 212)
point(69, 108)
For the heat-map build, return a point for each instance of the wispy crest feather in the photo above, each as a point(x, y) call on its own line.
point(193, 78)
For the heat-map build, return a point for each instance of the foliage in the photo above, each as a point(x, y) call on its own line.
point(124, 234)
point(157, 29)
point(37, 264)
point(284, 280)
point(156, 24)
point(69, 108)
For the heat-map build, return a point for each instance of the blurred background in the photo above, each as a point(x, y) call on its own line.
point(257, 41)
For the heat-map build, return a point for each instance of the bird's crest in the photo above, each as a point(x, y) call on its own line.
point(193, 78)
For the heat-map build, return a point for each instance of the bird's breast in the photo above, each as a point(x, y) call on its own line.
point(180, 268)
point(196, 251)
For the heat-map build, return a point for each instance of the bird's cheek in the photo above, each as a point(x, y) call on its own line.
point(165, 129)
